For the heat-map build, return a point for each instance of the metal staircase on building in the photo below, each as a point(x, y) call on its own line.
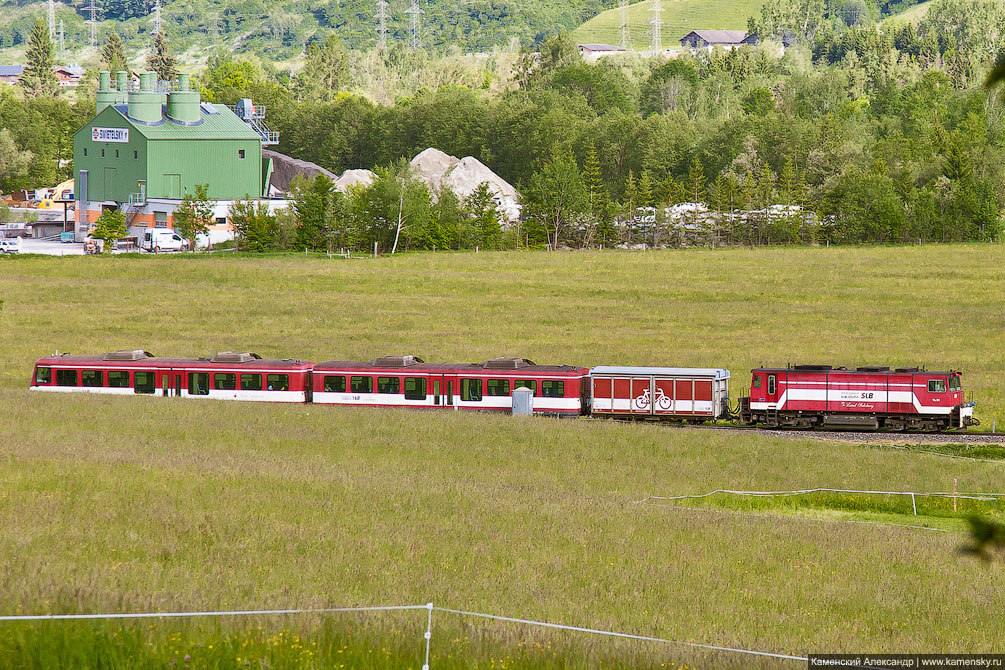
point(254, 116)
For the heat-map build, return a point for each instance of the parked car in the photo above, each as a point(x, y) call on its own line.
point(161, 239)
point(10, 246)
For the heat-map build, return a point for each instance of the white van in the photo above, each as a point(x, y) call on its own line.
point(162, 239)
point(10, 246)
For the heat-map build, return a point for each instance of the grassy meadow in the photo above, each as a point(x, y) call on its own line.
point(120, 503)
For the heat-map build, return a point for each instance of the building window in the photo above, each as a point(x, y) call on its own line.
point(471, 390)
point(415, 388)
point(497, 387)
point(136, 154)
point(387, 385)
point(221, 220)
point(143, 381)
point(118, 379)
point(251, 382)
point(116, 153)
point(225, 381)
point(240, 154)
point(160, 219)
point(526, 384)
point(43, 376)
point(334, 384)
point(361, 384)
point(552, 389)
point(92, 378)
point(85, 151)
point(66, 377)
point(278, 382)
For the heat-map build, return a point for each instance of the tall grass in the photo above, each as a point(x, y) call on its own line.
point(154, 504)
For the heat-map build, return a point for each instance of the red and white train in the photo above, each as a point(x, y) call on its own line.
point(803, 396)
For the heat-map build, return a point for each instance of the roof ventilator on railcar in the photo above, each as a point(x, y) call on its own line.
point(395, 361)
point(127, 355)
point(234, 357)
point(812, 367)
point(503, 363)
point(873, 368)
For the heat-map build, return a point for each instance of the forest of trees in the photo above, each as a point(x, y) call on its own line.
point(854, 135)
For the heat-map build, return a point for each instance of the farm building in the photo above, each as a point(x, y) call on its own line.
point(150, 144)
point(9, 74)
point(706, 39)
point(592, 52)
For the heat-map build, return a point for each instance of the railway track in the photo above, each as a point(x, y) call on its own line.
point(866, 436)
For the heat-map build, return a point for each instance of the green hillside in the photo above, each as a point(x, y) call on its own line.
point(911, 14)
point(679, 18)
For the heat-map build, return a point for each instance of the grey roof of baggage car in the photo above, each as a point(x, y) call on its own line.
point(716, 373)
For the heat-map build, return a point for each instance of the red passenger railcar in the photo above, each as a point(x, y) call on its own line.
point(228, 376)
point(407, 381)
point(868, 397)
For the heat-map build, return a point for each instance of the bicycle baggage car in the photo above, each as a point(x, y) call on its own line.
point(807, 396)
point(672, 394)
point(227, 376)
point(407, 381)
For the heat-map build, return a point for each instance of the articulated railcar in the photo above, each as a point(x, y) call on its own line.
point(407, 381)
point(668, 394)
point(227, 375)
point(809, 396)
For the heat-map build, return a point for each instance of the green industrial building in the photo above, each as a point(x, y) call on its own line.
point(156, 142)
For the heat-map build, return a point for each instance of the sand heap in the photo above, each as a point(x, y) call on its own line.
point(362, 178)
point(462, 176)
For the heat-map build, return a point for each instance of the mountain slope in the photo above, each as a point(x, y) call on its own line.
point(679, 18)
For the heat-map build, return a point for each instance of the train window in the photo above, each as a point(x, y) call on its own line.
point(757, 381)
point(497, 387)
point(118, 379)
point(278, 382)
point(936, 385)
point(334, 384)
point(771, 384)
point(552, 389)
point(225, 381)
point(251, 382)
point(92, 378)
point(388, 384)
point(954, 383)
point(66, 377)
point(198, 383)
point(526, 384)
point(43, 375)
point(415, 388)
point(471, 390)
point(361, 384)
point(143, 381)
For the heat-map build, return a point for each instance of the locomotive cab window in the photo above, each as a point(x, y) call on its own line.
point(471, 390)
point(225, 381)
point(278, 382)
point(66, 377)
point(387, 385)
point(92, 378)
point(497, 387)
point(552, 389)
point(757, 381)
point(334, 384)
point(43, 375)
point(415, 388)
point(936, 385)
point(526, 384)
point(361, 384)
point(954, 383)
point(771, 384)
point(251, 382)
point(118, 379)
point(143, 381)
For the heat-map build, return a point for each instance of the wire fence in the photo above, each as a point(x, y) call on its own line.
point(427, 635)
point(982, 497)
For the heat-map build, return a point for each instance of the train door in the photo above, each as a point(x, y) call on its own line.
point(171, 383)
point(444, 390)
point(663, 398)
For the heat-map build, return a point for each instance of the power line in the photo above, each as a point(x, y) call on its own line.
point(93, 10)
point(656, 28)
point(626, 32)
point(52, 19)
point(381, 17)
point(416, 12)
point(157, 16)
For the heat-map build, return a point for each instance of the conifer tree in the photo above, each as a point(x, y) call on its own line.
point(38, 78)
point(160, 59)
point(113, 55)
point(600, 201)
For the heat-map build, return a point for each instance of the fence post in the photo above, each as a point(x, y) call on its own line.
point(914, 504)
point(429, 632)
point(954, 495)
